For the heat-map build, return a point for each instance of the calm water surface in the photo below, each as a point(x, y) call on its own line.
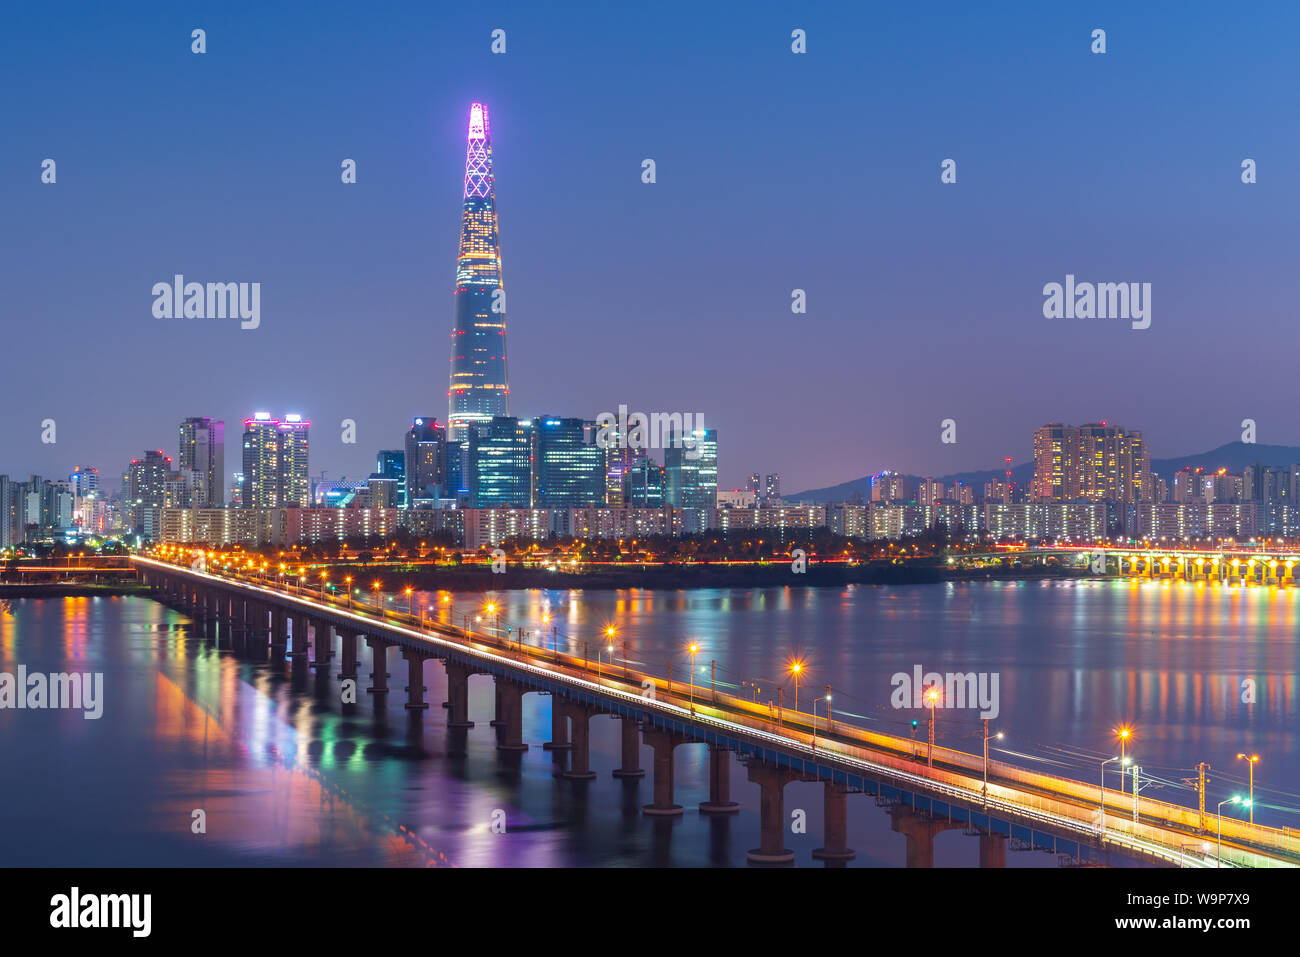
point(287, 775)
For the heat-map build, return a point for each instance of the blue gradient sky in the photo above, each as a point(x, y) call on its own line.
point(775, 171)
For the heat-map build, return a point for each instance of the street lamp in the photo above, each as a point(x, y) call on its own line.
point(1124, 732)
point(409, 601)
point(1251, 760)
point(1235, 799)
point(796, 668)
point(348, 582)
point(932, 699)
point(827, 699)
point(986, 759)
point(693, 648)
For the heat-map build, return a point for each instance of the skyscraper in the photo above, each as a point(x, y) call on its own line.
point(1097, 461)
point(692, 477)
point(203, 453)
point(479, 387)
point(569, 472)
point(499, 462)
point(275, 462)
point(426, 462)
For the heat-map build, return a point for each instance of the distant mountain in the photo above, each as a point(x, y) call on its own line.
point(1234, 456)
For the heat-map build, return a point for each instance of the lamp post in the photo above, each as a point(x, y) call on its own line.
point(410, 601)
point(693, 648)
point(1235, 799)
point(932, 698)
point(1251, 760)
point(1124, 732)
point(827, 699)
point(796, 668)
point(348, 581)
point(986, 759)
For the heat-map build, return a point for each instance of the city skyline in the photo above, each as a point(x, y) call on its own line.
point(934, 281)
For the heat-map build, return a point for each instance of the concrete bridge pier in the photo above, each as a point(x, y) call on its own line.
point(279, 633)
point(719, 801)
point(835, 840)
point(993, 850)
point(496, 704)
point(771, 813)
point(379, 662)
point(415, 679)
point(348, 644)
point(920, 831)
point(510, 716)
point(662, 742)
point(458, 695)
point(258, 634)
point(579, 756)
point(321, 644)
point(559, 727)
point(631, 750)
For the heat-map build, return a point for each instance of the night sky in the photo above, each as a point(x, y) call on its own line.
point(775, 171)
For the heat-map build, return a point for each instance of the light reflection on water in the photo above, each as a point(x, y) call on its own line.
point(287, 775)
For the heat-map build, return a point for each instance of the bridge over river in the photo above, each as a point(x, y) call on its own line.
point(927, 791)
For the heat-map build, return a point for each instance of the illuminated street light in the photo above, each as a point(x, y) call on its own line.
point(1251, 760)
point(932, 698)
point(1235, 799)
point(827, 699)
point(693, 648)
point(796, 669)
point(986, 759)
point(1124, 732)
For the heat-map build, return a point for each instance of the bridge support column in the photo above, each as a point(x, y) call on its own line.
point(631, 750)
point(719, 801)
point(993, 850)
point(458, 696)
point(836, 833)
point(920, 833)
point(258, 630)
point(320, 641)
point(348, 643)
point(771, 813)
point(663, 743)
point(559, 727)
point(579, 756)
point(415, 679)
point(379, 661)
point(510, 716)
point(279, 633)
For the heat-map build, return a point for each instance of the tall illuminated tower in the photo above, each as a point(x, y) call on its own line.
point(479, 387)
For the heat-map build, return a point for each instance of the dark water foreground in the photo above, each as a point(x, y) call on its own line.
point(286, 774)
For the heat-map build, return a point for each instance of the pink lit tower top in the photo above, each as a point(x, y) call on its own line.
point(479, 387)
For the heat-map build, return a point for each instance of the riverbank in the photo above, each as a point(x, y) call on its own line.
point(480, 578)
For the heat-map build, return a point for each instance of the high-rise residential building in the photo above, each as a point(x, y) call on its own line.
point(889, 486)
point(692, 477)
point(772, 491)
point(261, 462)
point(84, 480)
point(499, 463)
point(568, 472)
point(1098, 461)
point(479, 388)
point(145, 485)
point(756, 484)
point(7, 537)
point(928, 492)
point(391, 464)
point(295, 479)
point(203, 453)
point(620, 458)
point(275, 462)
point(428, 454)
